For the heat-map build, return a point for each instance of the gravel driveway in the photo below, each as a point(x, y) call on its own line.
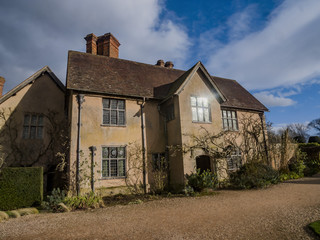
point(279, 212)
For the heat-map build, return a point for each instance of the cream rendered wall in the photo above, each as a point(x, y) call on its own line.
point(40, 96)
point(94, 133)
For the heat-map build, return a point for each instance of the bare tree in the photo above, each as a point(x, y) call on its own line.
point(315, 124)
point(298, 131)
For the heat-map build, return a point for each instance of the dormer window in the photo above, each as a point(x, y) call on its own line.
point(200, 109)
point(114, 112)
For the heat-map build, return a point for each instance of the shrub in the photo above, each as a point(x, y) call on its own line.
point(90, 200)
point(298, 165)
point(27, 211)
point(288, 176)
point(21, 187)
point(314, 139)
point(57, 196)
point(312, 160)
point(254, 175)
point(201, 180)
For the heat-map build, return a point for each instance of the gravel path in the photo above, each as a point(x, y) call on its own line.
point(279, 212)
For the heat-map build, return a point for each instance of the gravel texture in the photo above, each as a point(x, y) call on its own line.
point(279, 212)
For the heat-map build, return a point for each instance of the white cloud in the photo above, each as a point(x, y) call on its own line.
point(271, 100)
point(284, 53)
point(36, 33)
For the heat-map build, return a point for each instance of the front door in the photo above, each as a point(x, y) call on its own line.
point(203, 163)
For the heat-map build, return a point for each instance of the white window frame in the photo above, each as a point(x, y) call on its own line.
point(229, 120)
point(108, 110)
point(109, 158)
point(234, 160)
point(199, 107)
point(33, 126)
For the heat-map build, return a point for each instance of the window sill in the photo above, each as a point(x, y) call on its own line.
point(202, 122)
point(108, 125)
point(227, 130)
point(110, 178)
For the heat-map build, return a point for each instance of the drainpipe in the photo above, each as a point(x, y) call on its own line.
point(264, 138)
point(92, 149)
point(143, 147)
point(80, 100)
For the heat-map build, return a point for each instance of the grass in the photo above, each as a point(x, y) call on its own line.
point(315, 226)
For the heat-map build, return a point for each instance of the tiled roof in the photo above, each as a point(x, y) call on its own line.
point(114, 76)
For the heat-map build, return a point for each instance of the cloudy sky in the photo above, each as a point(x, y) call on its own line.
point(271, 47)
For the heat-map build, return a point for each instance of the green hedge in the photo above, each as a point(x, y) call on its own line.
point(21, 187)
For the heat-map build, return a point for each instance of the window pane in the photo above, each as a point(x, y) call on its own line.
point(113, 117)
point(193, 101)
point(199, 101)
point(113, 152)
point(224, 114)
point(194, 114)
point(113, 168)
point(120, 104)
point(229, 114)
point(106, 116)
point(105, 152)
point(235, 127)
point(114, 104)
point(233, 114)
point(33, 132)
point(121, 118)
point(206, 115)
point(26, 119)
point(230, 124)
point(121, 152)
point(40, 120)
point(225, 124)
point(25, 133)
point(121, 167)
point(105, 168)
point(39, 132)
point(34, 120)
point(205, 102)
point(200, 114)
point(106, 103)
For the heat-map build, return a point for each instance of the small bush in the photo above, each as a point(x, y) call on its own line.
point(201, 180)
point(288, 176)
point(90, 200)
point(3, 216)
point(13, 214)
point(27, 211)
point(57, 196)
point(254, 175)
point(315, 226)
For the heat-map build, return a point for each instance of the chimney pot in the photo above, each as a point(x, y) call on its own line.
point(160, 63)
point(2, 81)
point(169, 64)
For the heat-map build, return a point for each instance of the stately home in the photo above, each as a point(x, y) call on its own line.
point(125, 117)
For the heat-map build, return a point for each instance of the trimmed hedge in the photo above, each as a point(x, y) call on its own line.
point(313, 157)
point(21, 187)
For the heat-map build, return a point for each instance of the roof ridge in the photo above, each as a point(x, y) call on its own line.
point(126, 60)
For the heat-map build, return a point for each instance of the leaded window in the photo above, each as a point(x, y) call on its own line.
point(229, 120)
point(114, 112)
point(200, 109)
point(159, 161)
point(234, 160)
point(113, 161)
point(32, 126)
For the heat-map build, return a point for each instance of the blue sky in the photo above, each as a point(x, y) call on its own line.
point(270, 46)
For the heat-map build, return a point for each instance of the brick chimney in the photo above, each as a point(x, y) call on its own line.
point(160, 63)
point(106, 45)
point(91, 43)
point(169, 64)
point(2, 81)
